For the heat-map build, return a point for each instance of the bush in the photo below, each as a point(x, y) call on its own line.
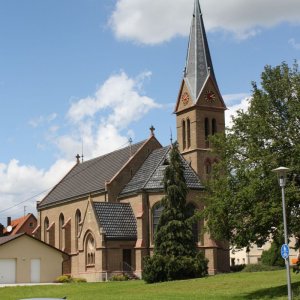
point(68, 279)
point(165, 268)
point(260, 268)
point(63, 279)
point(119, 277)
point(272, 257)
point(237, 268)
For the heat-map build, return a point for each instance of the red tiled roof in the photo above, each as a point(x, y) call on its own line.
point(18, 223)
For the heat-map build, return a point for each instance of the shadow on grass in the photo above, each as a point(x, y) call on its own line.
point(274, 292)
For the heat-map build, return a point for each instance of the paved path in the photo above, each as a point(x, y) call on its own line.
point(26, 284)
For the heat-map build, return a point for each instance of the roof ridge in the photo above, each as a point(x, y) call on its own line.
point(157, 165)
point(112, 152)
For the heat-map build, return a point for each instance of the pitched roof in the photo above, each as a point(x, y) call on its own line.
point(6, 239)
point(18, 223)
point(150, 175)
point(199, 64)
point(90, 176)
point(117, 220)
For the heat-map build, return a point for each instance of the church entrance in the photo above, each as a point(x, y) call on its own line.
point(127, 260)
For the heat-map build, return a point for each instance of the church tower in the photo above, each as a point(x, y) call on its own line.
point(200, 108)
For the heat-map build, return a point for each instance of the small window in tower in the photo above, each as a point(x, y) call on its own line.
point(183, 135)
point(207, 132)
point(188, 133)
point(214, 126)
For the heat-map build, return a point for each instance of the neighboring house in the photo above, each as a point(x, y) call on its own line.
point(24, 259)
point(241, 256)
point(104, 211)
point(25, 224)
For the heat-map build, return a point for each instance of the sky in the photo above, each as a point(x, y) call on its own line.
point(90, 74)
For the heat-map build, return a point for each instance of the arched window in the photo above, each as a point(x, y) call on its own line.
point(188, 133)
point(183, 135)
point(156, 213)
point(61, 232)
point(90, 248)
point(46, 233)
point(77, 226)
point(208, 166)
point(191, 208)
point(213, 126)
point(207, 132)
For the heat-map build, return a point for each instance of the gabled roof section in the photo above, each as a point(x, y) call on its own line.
point(198, 64)
point(7, 239)
point(117, 220)
point(90, 176)
point(18, 223)
point(150, 176)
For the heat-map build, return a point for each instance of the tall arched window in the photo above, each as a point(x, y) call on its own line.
point(191, 208)
point(61, 232)
point(77, 226)
point(46, 233)
point(183, 134)
point(188, 132)
point(208, 166)
point(207, 132)
point(213, 126)
point(156, 213)
point(90, 248)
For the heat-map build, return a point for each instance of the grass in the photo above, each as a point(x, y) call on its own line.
point(260, 285)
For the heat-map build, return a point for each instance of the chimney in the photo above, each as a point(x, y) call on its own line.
point(8, 221)
point(1, 229)
point(78, 159)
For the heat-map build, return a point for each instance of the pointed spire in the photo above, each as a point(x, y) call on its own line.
point(198, 64)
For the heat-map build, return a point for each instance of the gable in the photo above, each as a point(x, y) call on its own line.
point(150, 176)
point(210, 96)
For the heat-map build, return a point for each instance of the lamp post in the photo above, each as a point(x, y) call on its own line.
point(281, 173)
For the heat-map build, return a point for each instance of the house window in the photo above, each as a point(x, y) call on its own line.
point(30, 224)
point(214, 126)
point(156, 213)
point(191, 208)
point(61, 232)
point(207, 131)
point(90, 248)
point(46, 233)
point(183, 135)
point(188, 133)
point(77, 226)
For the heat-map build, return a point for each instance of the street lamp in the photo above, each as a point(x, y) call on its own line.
point(281, 173)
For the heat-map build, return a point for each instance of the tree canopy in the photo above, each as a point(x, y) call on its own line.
point(244, 199)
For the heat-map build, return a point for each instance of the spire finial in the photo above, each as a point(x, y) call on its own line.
point(171, 136)
point(152, 129)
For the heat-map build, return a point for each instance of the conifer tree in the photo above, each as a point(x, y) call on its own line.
point(175, 256)
point(174, 236)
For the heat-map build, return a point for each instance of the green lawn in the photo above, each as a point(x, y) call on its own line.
point(261, 285)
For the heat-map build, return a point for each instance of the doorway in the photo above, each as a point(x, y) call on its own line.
point(127, 260)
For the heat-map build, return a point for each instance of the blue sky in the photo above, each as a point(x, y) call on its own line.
point(103, 71)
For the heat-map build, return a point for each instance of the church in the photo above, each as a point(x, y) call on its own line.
point(104, 212)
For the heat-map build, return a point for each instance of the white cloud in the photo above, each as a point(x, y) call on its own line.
point(233, 109)
point(294, 44)
point(21, 182)
point(155, 21)
point(101, 119)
